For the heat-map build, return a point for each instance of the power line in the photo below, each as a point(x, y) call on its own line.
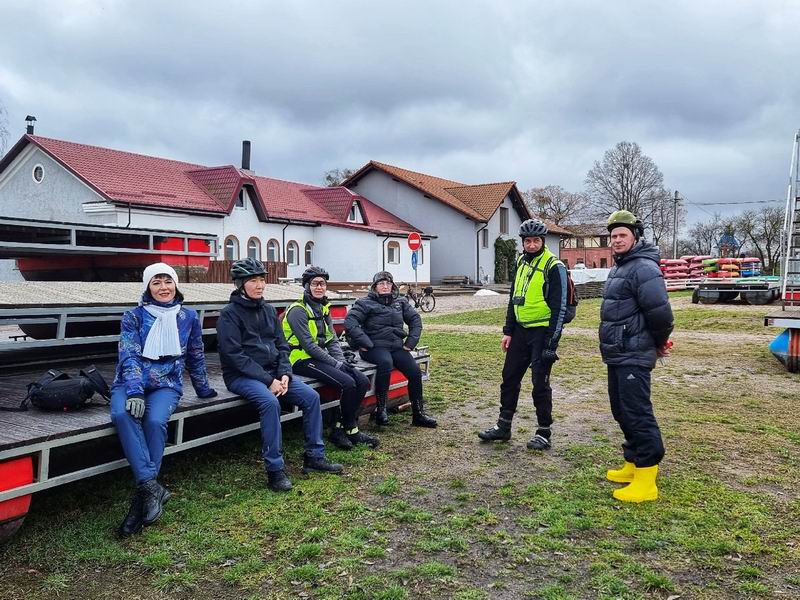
point(734, 203)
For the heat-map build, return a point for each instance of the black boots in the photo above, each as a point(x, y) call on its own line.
point(419, 418)
point(133, 520)
point(147, 506)
point(496, 434)
point(320, 464)
point(340, 439)
point(154, 497)
point(277, 481)
point(540, 441)
point(359, 437)
point(381, 416)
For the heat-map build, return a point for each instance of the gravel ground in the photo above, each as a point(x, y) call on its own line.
point(453, 304)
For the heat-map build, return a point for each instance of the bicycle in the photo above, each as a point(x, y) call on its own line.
point(424, 301)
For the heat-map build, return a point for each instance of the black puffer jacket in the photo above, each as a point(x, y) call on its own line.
point(251, 341)
point(635, 317)
point(376, 322)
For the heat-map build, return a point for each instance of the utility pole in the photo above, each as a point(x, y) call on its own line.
point(675, 225)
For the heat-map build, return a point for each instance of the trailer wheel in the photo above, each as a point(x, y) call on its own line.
point(9, 528)
point(695, 296)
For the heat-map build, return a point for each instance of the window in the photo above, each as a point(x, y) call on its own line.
point(603, 263)
point(421, 255)
point(604, 241)
point(393, 253)
point(309, 253)
point(254, 248)
point(38, 173)
point(273, 251)
point(485, 238)
point(231, 248)
point(240, 199)
point(503, 219)
point(292, 252)
point(580, 242)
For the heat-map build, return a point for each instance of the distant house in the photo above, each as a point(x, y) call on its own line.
point(266, 218)
point(588, 245)
point(466, 219)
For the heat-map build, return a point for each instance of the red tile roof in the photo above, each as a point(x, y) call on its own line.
point(478, 202)
point(168, 184)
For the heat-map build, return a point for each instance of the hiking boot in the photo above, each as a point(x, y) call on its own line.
point(359, 437)
point(133, 520)
point(380, 414)
point(154, 497)
point(277, 481)
point(340, 439)
point(540, 441)
point(419, 418)
point(320, 464)
point(495, 434)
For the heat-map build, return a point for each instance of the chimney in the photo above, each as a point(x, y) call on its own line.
point(246, 155)
point(30, 120)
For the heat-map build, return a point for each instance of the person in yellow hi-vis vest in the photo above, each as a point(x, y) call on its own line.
point(534, 321)
point(316, 352)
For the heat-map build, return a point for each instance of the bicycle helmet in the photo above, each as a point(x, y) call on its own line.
point(312, 272)
point(246, 268)
point(532, 228)
point(625, 218)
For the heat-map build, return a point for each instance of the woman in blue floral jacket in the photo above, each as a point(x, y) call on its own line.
point(156, 339)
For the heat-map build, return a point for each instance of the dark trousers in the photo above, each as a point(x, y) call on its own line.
point(525, 350)
point(629, 392)
point(385, 360)
point(351, 383)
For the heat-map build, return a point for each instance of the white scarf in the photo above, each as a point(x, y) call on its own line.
point(163, 338)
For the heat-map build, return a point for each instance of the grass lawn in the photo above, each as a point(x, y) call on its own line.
point(436, 514)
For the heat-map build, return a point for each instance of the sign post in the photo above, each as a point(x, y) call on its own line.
point(414, 243)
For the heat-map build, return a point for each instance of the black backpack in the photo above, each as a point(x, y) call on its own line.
point(57, 391)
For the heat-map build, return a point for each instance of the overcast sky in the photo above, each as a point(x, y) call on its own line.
point(477, 91)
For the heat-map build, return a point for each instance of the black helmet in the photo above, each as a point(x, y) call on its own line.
point(382, 276)
point(312, 272)
point(246, 268)
point(532, 228)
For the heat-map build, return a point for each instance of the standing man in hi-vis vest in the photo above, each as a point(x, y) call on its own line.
point(534, 321)
point(316, 352)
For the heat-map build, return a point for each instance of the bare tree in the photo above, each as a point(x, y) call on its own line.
point(761, 230)
point(556, 204)
point(335, 177)
point(661, 223)
point(703, 237)
point(4, 131)
point(626, 179)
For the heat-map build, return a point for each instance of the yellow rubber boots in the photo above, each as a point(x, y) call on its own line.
point(623, 475)
point(642, 488)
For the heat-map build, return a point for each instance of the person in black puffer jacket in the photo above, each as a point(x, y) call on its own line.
point(375, 325)
point(635, 325)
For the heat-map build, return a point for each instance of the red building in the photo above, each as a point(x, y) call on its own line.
point(588, 245)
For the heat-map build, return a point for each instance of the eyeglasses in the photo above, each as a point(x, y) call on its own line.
point(318, 284)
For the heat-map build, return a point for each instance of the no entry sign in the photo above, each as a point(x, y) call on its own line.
point(414, 241)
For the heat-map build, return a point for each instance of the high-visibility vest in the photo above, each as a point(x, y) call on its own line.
point(529, 282)
point(297, 352)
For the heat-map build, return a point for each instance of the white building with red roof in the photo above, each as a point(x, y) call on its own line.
point(270, 219)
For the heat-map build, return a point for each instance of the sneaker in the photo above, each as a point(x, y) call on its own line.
point(340, 439)
point(359, 437)
point(320, 464)
point(495, 434)
point(539, 442)
point(277, 481)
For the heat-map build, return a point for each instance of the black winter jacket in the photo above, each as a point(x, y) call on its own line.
point(251, 341)
point(372, 323)
point(635, 317)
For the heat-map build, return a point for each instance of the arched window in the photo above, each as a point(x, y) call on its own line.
point(393, 253)
point(309, 253)
point(231, 248)
point(254, 248)
point(292, 253)
point(273, 251)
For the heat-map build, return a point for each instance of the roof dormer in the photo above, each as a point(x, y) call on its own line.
point(356, 215)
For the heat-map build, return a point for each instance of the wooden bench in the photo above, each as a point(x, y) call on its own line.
point(455, 280)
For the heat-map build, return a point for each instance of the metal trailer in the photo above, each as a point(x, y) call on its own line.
point(41, 450)
point(752, 290)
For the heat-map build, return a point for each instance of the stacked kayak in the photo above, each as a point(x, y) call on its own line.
point(674, 268)
point(696, 265)
point(750, 267)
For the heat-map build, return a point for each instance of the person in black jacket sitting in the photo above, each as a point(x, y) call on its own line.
point(255, 363)
point(375, 325)
point(635, 325)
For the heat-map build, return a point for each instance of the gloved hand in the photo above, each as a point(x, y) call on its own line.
point(211, 393)
point(135, 406)
point(350, 357)
point(549, 356)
